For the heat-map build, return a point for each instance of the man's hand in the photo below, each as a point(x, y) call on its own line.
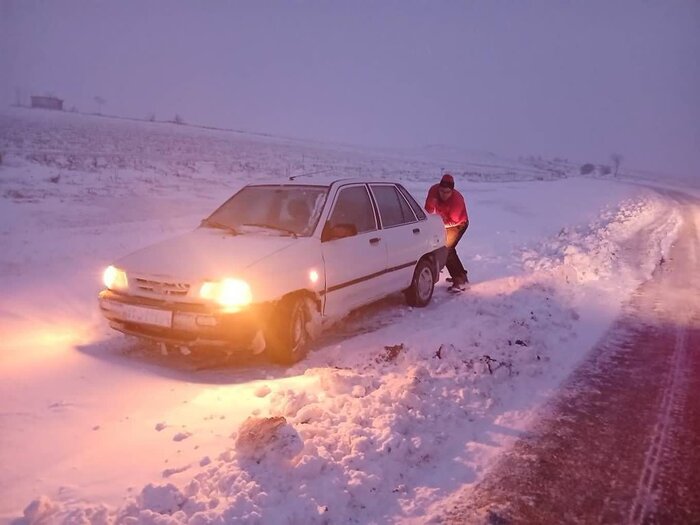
point(431, 205)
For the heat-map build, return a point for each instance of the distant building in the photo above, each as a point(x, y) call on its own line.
point(47, 103)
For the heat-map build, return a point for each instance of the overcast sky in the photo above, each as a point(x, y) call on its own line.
point(574, 79)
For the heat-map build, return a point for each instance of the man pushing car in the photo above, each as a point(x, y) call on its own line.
point(449, 204)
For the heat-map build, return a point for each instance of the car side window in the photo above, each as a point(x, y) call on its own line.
point(353, 207)
point(393, 208)
point(417, 208)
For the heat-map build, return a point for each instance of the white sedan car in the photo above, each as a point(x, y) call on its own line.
point(274, 264)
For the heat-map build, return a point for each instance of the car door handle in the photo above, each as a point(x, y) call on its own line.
point(374, 240)
point(416, 230)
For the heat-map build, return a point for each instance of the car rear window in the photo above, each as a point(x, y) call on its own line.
point(393, 208)
point(417, 209)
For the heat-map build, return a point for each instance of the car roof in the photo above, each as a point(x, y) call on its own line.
point(325, 184)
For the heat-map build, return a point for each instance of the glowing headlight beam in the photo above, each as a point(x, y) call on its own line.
point(114, 278)
point(231, 294)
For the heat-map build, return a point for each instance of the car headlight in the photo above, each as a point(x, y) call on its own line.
point(114, 278)
point(231, 294)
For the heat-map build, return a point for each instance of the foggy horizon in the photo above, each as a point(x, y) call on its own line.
point(577, 81)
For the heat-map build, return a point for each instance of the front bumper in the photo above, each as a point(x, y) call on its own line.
point(186, 324)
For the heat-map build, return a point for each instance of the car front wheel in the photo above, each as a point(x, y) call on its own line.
point(421, 290)
point(287, 338)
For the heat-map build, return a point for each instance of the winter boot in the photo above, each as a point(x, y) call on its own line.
point(451, 280)
point(458, 285)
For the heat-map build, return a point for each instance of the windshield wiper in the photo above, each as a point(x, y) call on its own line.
point(271, 227)
point(218, 225)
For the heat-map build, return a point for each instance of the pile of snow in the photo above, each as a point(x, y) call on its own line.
point(391, 430)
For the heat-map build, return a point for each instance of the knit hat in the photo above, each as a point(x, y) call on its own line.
point(447, 181)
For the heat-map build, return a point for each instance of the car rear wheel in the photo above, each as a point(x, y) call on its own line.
point(421, 290)
point(287, 338)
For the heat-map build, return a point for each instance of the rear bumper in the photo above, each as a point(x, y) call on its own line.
point(191, 325)
point(441, 258)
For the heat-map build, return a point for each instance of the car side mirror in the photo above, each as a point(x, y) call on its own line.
point(337, 231)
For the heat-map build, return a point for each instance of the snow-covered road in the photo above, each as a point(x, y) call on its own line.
point(393, 413)
point(620, 443)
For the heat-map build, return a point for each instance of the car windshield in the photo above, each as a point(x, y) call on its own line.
point(277, 209)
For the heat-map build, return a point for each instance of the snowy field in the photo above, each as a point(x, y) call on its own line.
point(394, 412)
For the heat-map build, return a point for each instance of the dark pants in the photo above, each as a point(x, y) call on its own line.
point(453, 264)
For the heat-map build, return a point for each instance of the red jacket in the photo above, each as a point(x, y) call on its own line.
point(453, 211)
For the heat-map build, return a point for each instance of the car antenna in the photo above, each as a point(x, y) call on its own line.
point(309, 173)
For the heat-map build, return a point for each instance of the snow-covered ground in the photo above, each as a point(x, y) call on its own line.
point(393, 413)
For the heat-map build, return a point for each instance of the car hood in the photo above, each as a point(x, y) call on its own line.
point(204, 253)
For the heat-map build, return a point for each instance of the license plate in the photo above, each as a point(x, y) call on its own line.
point(140, 314)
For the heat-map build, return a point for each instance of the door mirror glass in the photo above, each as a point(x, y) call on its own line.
point(332, 232)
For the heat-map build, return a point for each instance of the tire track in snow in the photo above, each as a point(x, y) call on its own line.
point(674, 385)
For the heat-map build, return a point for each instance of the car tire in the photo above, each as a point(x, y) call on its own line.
point(423, 284)
point(287, 338)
